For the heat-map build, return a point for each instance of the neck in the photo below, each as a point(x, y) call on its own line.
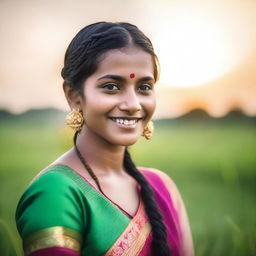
point(104, 158)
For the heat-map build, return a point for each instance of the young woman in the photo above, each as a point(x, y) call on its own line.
point(93, 200)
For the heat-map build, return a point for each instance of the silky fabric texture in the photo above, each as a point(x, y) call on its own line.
point(165, 204)
point(62, 198)
point(55, 252)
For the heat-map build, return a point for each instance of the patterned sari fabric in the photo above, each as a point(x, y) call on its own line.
point(61, 213)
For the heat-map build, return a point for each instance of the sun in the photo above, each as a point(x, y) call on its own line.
point(194, 49)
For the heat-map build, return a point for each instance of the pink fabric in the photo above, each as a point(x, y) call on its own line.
point(55, 251)
point(170, 216)
point(146, 250)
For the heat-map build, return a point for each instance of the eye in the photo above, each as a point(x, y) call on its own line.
point(110, 87)
point(145, 87)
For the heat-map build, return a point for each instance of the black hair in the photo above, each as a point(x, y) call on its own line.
point(82, 58)
point(90, 43)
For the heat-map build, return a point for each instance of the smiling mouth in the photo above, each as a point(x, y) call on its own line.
point(131, 122)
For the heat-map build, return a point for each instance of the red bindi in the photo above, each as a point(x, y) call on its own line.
point(132, 75)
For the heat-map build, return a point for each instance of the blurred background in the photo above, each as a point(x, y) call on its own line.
point(205, 121)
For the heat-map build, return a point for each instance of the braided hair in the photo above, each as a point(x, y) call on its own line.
point(82, 58)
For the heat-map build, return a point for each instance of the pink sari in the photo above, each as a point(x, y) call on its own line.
point(170, 215)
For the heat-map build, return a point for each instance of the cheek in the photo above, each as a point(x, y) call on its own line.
point(150, 105)
point(98, 106)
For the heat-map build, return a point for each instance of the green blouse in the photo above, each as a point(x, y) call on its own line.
point(60, 201)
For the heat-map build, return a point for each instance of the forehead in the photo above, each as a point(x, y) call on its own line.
point(126, 60)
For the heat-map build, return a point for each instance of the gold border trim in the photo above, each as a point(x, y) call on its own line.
point(52, 237)
point(133, 238)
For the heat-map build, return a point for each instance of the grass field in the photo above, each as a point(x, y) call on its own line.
point(213, 163)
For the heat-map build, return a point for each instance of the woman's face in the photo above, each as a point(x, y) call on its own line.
point(119, 99)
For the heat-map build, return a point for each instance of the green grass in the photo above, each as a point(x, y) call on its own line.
point(212, 163)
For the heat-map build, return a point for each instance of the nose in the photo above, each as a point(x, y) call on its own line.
point(130, 102)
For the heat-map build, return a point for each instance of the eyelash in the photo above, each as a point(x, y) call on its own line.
point(106, 86)
point(148, 86)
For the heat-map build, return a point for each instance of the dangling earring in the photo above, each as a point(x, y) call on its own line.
point(75, 120)
point(148, 130)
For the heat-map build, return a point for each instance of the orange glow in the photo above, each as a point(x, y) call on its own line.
point(199, 47)
point(206, 50)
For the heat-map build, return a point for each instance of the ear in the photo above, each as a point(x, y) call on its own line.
point(73, 96)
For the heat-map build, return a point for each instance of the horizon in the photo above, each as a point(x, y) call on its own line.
point(196, 111)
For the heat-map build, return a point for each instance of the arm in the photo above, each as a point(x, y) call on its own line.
point(50, 216)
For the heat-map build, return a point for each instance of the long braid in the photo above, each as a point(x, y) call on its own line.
point(159, 243)
point(88, 168)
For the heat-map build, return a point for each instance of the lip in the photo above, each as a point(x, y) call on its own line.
point(126, 126)
point(127, 118)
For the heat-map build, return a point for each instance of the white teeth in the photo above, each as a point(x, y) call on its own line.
point(125, 121)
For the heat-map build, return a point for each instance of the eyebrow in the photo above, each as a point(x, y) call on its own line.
point(122, 79)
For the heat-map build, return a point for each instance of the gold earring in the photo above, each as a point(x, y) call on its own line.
point(148, 130)
point(75, 120)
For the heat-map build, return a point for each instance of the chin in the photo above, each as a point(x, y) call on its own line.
point(129, 143)
point(125, 140)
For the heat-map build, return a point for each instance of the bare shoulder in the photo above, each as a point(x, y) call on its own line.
point(65, 159)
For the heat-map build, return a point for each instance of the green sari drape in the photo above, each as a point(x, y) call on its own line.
point(60, 209)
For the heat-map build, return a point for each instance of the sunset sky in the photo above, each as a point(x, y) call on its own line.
point(207, 50)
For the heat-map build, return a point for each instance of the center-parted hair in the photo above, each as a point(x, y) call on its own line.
point(82, 58)
point(89, 45)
